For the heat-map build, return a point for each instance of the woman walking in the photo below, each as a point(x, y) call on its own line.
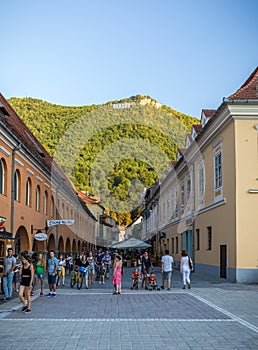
point(39, 274)
point(117, 275)
point(27, 275)
point(185, 269)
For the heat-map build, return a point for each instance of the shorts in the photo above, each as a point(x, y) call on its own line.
point(91, 268)
point(51, 279)
point(25, 281)
point(166, 275)
point(39, 275)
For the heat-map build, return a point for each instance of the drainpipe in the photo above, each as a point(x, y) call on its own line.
point(14, 150)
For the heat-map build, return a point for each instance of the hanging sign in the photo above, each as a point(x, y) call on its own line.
point(2, 221)
point(59, 222)
point(40, 236)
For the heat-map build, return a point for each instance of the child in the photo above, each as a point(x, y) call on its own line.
point(117, 275)
point(153, 280)
point(135, 279)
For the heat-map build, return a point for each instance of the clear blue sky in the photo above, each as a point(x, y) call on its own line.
point(186, 54)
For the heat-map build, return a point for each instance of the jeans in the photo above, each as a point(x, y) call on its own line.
point(8, 285)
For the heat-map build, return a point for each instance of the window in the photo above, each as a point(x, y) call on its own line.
point(173, 245)
point(209, 238)
point(37, 198)
point(3, 176)
point(17, 185)
point(200, 182)
point(176, 245)
point(182, 195)
point(45, 202)
point(28, 192)
point(197, 239)
point(52, 207)
point(188, 189)
point(218, 169)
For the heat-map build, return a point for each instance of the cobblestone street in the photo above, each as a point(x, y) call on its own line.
point(211, 315)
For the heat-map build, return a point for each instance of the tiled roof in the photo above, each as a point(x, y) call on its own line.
point(15, 125)
point(249, 90)
point(197, 128)
point(208, 112)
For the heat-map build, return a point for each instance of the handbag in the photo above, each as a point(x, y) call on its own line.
point(190, 263)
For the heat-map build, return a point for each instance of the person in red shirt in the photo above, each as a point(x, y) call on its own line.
point(135, 278)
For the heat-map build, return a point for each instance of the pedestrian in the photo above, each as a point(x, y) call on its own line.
point(117, 275)
point(61, 270)
point(84, 269)
point(27, 276)
point(166, 269)
point(185, 268)
point(67, 265)
point(8, 272)
point(91, 262)
point(107, 262)
point(16, 275)
point(52, 265)
point(146, 264)
point(99, 261)
point(39, 274)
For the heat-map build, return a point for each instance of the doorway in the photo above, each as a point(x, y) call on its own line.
point(223, 261)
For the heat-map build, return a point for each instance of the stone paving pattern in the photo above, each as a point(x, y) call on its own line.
point(211, 315)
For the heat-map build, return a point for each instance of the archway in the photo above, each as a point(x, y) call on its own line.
point(74, 246)
point(61, 245)
point(68, 245)
point(51, 242)
point(22, 240)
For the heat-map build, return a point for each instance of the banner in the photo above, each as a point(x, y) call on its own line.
point(59, 222)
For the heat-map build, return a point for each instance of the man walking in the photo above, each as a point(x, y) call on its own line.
point(166, 269)
point(8, 272)
point(52, 265)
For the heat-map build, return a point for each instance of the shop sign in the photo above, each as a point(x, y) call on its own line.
point(40, 236)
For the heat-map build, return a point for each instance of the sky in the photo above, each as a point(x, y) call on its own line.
point(185, 54)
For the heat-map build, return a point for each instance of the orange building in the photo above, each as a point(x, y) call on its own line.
point(33, 190)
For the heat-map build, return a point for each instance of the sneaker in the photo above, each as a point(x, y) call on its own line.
point(31, 294)
point(168, 288)
point(103, 282)
point(41, 294)
point(162, 287)
point(189, 286)
point(87, 287)
point(53, 295)
point(27, 311)
point(24, 308)
point(99, 282)
point(49, 294)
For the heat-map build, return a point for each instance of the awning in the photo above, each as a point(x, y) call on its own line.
point(131, 243)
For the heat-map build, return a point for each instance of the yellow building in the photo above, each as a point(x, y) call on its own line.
point(33, 190)
point(208, 201)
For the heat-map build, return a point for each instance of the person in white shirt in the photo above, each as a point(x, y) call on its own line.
point(185, 268)
point(166, 269)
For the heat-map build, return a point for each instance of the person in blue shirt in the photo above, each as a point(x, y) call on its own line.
point(52, 265)
point(107, 262)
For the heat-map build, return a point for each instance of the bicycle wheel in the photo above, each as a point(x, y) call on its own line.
point(73, 280)
point(79, 282)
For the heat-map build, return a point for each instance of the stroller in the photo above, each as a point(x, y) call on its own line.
point(152, 281)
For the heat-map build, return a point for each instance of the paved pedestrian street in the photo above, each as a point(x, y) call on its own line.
point(211, 315)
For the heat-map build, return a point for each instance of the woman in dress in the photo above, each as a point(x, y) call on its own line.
point(117, 275)
point(27, 275)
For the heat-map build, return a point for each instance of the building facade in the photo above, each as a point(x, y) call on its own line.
point(34, 190)
point(207, 203)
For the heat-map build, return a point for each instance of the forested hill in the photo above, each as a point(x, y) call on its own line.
point(111, 150)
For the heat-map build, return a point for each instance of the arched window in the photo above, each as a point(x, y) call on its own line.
point(17, 185)
point(3, 176)
point(28, 192)
point(37, 198)
point(45, 202)
point(52, 207)
point(63, 211)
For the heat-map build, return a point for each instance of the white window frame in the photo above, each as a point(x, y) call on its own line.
point(218, 173)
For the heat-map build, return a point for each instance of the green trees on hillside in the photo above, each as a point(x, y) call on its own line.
point(112, 153)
